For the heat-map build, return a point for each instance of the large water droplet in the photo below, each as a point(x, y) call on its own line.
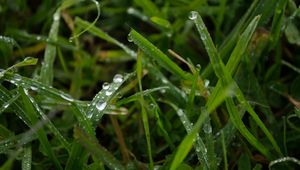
point(193, 15)
point(118, 78)
point(129, 38)
point(105, 85)
point(203, 37)
point(56, 17)
point(101, 105)
point(207, 128)
point(206, 83)
point(108, 92)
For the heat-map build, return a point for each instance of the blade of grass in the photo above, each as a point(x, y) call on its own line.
point(101, 34)
point(152, 51)
point(139, 71)
point(27, 158)
point(92, 145)
point(188, 141)
point(50, 51)
point(32, 115)
point(224, 75)
point(99, 103)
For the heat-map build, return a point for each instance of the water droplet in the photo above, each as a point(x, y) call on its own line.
point(207, 128)
point(129, 38)
point(163, 90)
point(203, 37)
point(38, 38)
point(67, 97)
point(105, 85)
point(193, 15)
point(165, 81)
point(33, 88)
point(198, 66)
point(108, 92)
point(180, 112)
point(118, 78)
point(206, 83)
point(101, 105)
point(130, 10)
point(70, 40)
point(151, 105)
point(56, 17)
point(5, 106)
point(17, 78)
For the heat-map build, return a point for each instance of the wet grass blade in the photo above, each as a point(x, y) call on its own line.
point(99, 103)
point(27, 158)
point(32, 115)
point(152, 51)
point(139, 71)
point(50, 51)
point(100, 153)
point(224, 75)
point(188, 141)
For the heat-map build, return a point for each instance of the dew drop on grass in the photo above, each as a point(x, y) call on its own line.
point(180, 112)
point(105, 85)
point(56, 17)
point(193, 15)
point(108, 92)
point(206, 83)
point(203, 37)
point(207, 128)
point(129, 38)
point(67, 97)
point(101, 105)
point(118, 78)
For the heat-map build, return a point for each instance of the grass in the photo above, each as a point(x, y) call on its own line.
point(141, 84)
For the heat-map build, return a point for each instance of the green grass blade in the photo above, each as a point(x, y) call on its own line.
point(224, 151)
point(148, 6)
point(48, 123)
point(32, 115)
point(101, 34)
point(224, 75)
point(188, 141)
point(139, 71)
point(152, 51)
point(50, 51)
point(84, 123)
point(8, 103)
point(136, 96)
point(92, 145)
point(99, 104)
point(27, 158)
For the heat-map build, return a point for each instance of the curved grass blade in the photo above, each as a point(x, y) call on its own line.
point(152, 51)
point(26, 62)
point(225, 77)
point(103, 35)
point(90, 25)
point(284, 159)
point(84, 123)
point(92, 145)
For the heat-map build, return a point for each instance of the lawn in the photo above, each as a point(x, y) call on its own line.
point(149, 84)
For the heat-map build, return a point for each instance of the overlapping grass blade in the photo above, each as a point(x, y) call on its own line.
point(100, 153)
point(42, 136)
point(139, 71)
point(188, 141)
point(224, 75)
